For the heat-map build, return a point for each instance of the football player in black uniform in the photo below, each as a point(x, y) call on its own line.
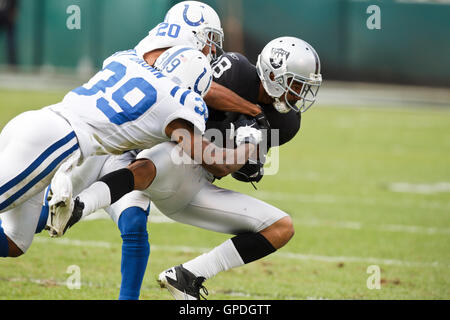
point(235, 72)
point(284, 83)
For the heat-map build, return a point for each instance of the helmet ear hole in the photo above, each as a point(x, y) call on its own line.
point(272, 76)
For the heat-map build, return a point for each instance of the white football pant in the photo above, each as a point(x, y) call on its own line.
point(33, 146)
point(185, 193)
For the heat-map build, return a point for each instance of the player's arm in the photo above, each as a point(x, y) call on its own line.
point(219, 161)
point(141, 173)
point(221, 98)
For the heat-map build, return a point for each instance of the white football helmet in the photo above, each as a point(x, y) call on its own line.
point(286, 61)
point(167, 36)
point(203, 21)
point(187, 67)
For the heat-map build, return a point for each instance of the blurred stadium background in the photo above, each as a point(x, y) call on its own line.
point(367, 180)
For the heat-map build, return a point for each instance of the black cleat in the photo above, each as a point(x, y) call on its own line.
point(182, 284)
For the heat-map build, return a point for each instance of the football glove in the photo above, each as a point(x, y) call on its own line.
point(248, 134)
point(246, 130)
point(250, 172)
point(262, 120)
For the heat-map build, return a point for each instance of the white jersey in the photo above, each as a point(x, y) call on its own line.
point(127, 106)
point(166, 35)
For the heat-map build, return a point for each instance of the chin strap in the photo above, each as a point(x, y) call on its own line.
point(281, 107)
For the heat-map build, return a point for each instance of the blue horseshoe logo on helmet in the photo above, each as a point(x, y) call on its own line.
point(198, 81)
point(189, 22)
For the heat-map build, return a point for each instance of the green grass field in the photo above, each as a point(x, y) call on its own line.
point(338, 179)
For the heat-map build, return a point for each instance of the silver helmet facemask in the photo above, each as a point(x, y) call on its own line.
point(211, 36)
point(308, 93)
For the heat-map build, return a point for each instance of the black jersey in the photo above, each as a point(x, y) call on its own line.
point(235, 72)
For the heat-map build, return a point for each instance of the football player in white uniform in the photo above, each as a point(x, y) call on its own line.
point(128, 105)
point(19, 223)
point(131, 211)
point(117, 110)
point(204, 33)
point(184, 191)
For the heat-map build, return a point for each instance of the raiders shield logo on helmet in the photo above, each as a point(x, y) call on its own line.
point(278, 57)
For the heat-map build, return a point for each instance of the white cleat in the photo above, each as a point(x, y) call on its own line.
point(182, 284)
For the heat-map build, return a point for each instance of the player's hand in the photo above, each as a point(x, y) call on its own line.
point(262, 120)
point(248, 134)
point(247, 130)
point(250, 172)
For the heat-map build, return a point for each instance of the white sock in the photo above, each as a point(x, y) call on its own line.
point(221, 258)
point(97, 196)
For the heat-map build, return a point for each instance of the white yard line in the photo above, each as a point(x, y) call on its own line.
point(281, 254)
point(157, 217)
point(383, 227)
point(368, 260)
point(331, 198)
point(74, 242)
point(421, 188)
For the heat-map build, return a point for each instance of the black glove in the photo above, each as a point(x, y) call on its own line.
point(262, 120)
point(253, 170)
point(250, 172)
point(244, 120)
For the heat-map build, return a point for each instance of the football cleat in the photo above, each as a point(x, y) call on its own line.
point(60, 202)
point(182, 284)
point(62, 218)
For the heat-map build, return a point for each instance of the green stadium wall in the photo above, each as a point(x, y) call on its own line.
point(412, 45)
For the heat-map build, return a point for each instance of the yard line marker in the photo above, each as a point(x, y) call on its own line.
point(280, 254)
point(332, 198)
point(74, 242)
point(423, 188)
point(368, 260)
point(299, 256)
point(157, 217)
point(383, 227)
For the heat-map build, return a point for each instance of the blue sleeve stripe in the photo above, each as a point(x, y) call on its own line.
point(184, 95)
point(174, 91)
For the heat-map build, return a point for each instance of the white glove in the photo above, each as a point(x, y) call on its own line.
point(248, 134)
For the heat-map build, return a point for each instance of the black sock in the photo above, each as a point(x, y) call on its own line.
point(119, 182)
point(252, 246)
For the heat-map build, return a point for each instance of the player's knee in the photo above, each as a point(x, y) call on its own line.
point(280, 232)
point(285, 230)
point(133, 221)
point(289, 230)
